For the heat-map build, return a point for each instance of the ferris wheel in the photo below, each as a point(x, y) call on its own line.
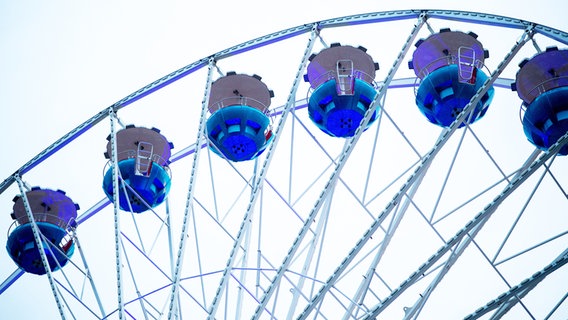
point(333, 170)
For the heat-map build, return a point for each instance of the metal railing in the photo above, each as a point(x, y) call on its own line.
point(132, 154)
point(238, 101)
point(437, 64)
point(332, 75)
point(541, 88)
point(44, 217)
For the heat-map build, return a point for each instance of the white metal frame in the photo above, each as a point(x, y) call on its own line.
point(271, 276)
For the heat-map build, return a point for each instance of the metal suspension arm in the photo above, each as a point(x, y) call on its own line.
point(115, 200)
point(417, 307)
point(428, 158)
point(258, 183)
point(363, 287)
point(481, 216)
point(347, 151)
point(40, 247)
point(189, 202)
point(508, 299)
point(453, 258)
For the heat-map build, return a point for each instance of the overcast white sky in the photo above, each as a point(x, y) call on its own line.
point(63, 61)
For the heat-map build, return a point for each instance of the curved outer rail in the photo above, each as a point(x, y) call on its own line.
point(364, 18)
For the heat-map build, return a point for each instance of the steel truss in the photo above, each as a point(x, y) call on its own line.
point(228, 288)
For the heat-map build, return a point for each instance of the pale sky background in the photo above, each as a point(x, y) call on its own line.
point(71, 60)
point(61, 62)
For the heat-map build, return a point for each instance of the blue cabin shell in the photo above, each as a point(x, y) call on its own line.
point(143, 156)
point(54, 214)
point(542, 84)
point(341, 78)
point(448, 65)
point(239, 128)
point(442, 96)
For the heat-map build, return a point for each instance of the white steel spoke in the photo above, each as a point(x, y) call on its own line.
point(115, 200)
point(359, 297)
point(199, 263)
point(383, 224)
point(529, 198)
point(40, 247)
point(447, 176)
point(508, 299)
point(88, 275)
point(134, 282)
point(425, 163)
point(311, 251)
point(190, 194)
point(474, 224)
point(254, 194)
point(317, 299)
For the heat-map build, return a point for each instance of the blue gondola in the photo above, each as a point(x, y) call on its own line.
point(442, 96)
point(448, 65)
point(342, 81)
point(54, 214)
point(542, 84)
point(145, 179)
point(239, 128)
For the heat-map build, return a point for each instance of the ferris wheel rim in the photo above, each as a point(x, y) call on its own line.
point(261, 41)
point(364, 18)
